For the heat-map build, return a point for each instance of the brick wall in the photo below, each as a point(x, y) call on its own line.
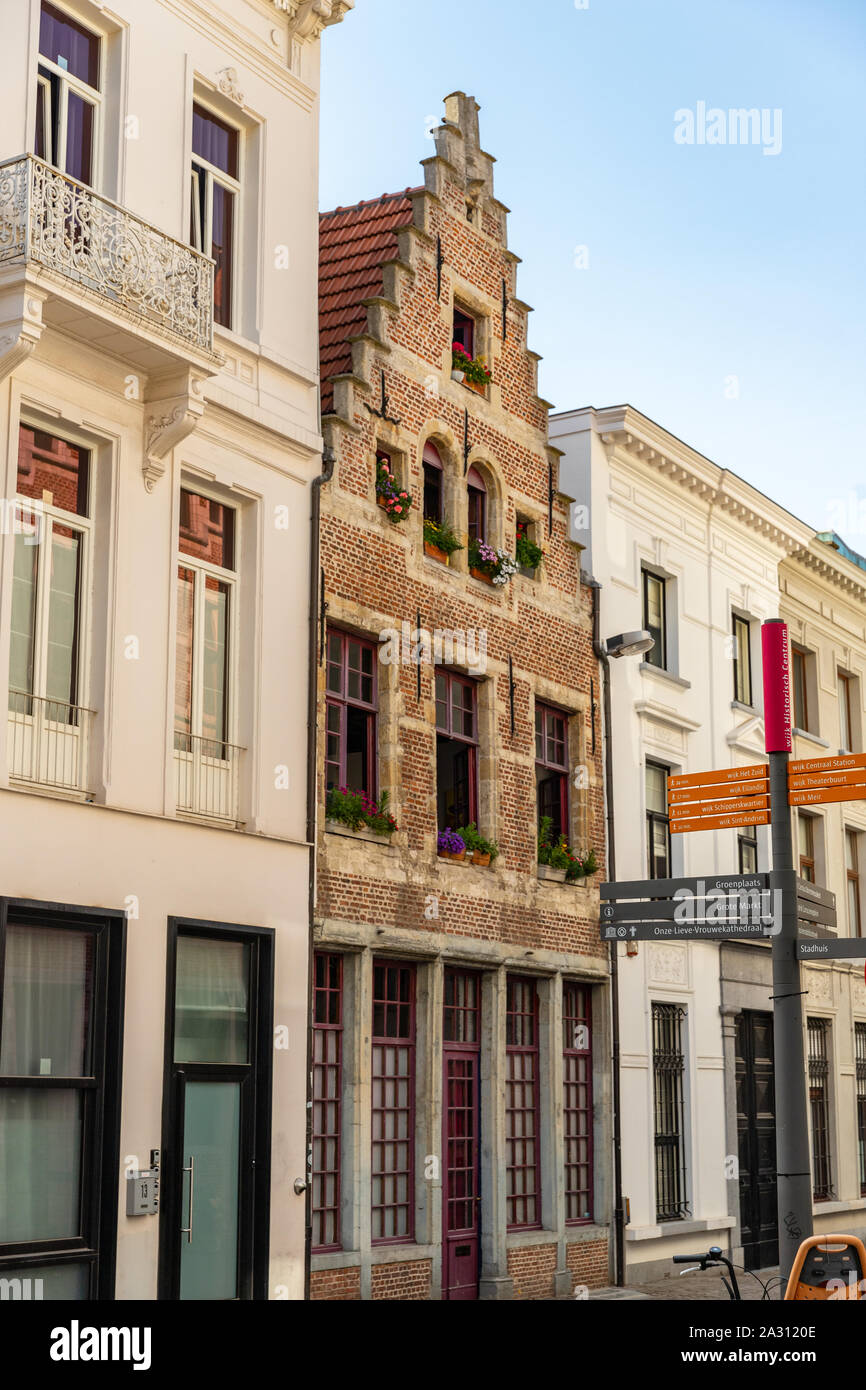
point(588, 1262)
point(532, 1268)
point(335, 1285)
point(407, 1282)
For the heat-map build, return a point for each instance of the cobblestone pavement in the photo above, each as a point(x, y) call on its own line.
point(705, 1286)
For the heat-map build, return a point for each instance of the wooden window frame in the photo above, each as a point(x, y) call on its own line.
point(647, 576)
point(852, 880)
point(747, 839)
point(743, 688)
point(203, 571)
point(656, 817)
point(343, 702)
point(394, 1042)
point(447, 731)
point(203, 176)
point(576, 1059)
point(522, 1072)
point(807, 861)
point(472, 322)
point(800, 688)
point(57, 84)
point(844, 685)
point(327, 1065)
point(547, 714)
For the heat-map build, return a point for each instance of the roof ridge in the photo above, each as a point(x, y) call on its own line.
point(371, 202)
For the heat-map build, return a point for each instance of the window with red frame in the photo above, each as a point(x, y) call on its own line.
point(327, 1098)
point(456, 751)
point(432, 484)
point(477, 493)
point(464, 330)
point(522, 1158)
point(577, 1099)
point(350, 738)
point(393, 1103)
point(551, 768)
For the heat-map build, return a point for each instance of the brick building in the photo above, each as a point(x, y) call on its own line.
point(460, 1015)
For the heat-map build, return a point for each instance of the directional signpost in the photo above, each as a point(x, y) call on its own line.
point(818, 781)
point(719, 800)
point(714, 908)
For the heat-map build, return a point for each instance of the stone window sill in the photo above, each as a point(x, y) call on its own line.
point(335, 827)
point(811, 738)
point(664, 675)
point(680, 1228)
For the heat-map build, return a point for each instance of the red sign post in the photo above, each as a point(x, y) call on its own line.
point(777, 686)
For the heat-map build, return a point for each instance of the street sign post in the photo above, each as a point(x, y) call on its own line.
point(793, 1160)
point(723, 799)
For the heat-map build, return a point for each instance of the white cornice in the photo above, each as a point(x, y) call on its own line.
point(829, 565)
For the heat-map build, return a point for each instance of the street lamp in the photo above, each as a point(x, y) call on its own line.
point(624, 644)
point(629, 644)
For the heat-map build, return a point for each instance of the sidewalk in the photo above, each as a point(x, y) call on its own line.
point(703, 1286)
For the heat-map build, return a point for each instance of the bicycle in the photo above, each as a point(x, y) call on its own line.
point(714, 1256)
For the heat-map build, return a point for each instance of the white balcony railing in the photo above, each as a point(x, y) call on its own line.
point(61, 224)
point(207, 771)
point(47, 741)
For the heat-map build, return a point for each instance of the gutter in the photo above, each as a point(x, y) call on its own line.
point(618, 1214)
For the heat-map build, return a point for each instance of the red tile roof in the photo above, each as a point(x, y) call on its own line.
point(353, 245)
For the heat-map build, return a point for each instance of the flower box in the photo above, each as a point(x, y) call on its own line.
point(338, 827)
point(483, 576)
point(482, 860)
point(380, 502)
point(479, 387)
point(455, 858)
point(436, 554)
point(552, 875)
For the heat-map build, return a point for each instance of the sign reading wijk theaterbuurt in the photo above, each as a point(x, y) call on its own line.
point(818, 781)
point(712, 908)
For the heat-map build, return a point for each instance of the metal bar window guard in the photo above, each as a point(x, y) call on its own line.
point(47, 741)
point(207, 777)
point(52, 219)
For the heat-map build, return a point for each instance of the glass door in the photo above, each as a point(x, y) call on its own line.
point(216, 1135)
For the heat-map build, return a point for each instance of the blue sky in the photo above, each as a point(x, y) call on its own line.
point(705, 262)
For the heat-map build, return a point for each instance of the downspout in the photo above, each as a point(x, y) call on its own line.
point(601, 653)
point(315, 582)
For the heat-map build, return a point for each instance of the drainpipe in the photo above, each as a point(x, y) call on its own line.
point(601, 653)
point(328, 460)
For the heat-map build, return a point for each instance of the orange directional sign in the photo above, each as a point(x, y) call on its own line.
point(729, 822)
point(756, 786)
point(710, 779)
point(856, 777)
point(843, 763)
point(719, 800)
point(820, 796)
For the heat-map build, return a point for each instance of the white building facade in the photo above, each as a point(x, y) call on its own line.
point(693, 553)
point(159, 409)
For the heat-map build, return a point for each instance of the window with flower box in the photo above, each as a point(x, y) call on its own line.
point(522, 1157)
point(327, 1098)
point(350, 737)
point(456, 750)
point(577, 1099)
point(393, 1103)
point(464, 330)
point(551, 769)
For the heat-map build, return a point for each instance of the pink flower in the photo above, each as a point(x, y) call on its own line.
point(398, 509)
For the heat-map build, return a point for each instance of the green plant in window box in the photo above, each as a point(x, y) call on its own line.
point(357, 810)
point(442, 536)
point(529, 555)
point(483, 851)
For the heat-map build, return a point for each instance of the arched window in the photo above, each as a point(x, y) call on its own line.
point(477, 490)
point(432, 484)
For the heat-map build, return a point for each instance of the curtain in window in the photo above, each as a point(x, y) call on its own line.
point(46, 1002)
point(211, 1000)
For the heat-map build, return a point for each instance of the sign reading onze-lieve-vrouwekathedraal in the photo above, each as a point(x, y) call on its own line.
point(711, 908)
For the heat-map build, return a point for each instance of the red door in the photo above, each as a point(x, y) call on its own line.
point(461, 1199)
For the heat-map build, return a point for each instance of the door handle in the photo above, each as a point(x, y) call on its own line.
point(187, 1230)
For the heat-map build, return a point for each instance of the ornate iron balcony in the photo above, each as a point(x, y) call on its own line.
point(62, 225)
